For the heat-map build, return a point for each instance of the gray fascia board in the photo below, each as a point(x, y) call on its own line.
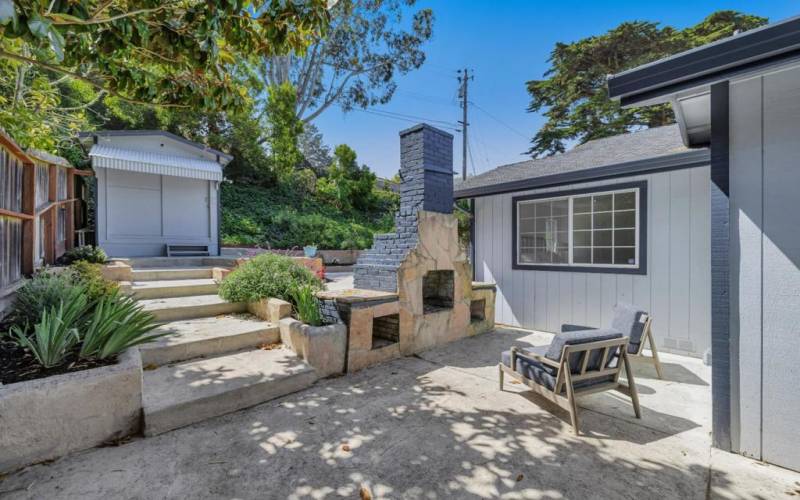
point(689, 159)
point(162, 133)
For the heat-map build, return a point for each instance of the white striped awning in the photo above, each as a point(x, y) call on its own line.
point(154, 163)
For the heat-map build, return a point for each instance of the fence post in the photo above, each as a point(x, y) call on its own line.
point(29, 208)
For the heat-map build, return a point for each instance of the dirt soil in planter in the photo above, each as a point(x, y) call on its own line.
point(18, 364)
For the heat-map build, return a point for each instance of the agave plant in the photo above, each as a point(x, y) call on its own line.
point(116, 324)
point(55, 334)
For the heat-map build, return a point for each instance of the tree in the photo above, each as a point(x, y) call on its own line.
point(283, 136)
point(168, 52)
point(574, 93)
point(317, 154)
point(41, 110)
point(355, 63)
point(347, 185)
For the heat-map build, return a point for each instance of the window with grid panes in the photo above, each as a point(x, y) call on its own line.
point(589, 229)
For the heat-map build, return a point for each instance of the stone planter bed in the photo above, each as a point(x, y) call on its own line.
point(49, 417)
point(323, 347)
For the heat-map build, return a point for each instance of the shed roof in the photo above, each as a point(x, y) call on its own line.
point(154, 163)
point(651, 149)
point(224, 157)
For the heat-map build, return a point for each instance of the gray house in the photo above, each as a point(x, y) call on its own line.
point(694, 222)
point(154, 190)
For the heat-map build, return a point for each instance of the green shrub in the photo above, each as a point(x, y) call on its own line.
point(90, 276)
point(279, 218)
point(45, 290)
point(87, 253)
point(116, 324)
point(56, 334)
point(306, 305)
point(264, 276)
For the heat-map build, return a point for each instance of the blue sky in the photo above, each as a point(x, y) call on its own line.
point(505, 43)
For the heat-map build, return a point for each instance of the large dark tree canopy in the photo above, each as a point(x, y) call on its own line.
point(574, 96)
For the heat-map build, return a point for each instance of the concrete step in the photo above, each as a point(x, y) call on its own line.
point(171, 273)
point(206, 337)
point(173, 288)
point(182, 394)
point(184, 261)
point(198, 306)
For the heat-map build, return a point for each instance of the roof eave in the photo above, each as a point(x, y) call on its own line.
point(688, 159)
point(654, 82)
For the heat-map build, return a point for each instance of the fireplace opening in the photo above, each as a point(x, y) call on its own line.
point(437, 291)
point(477, 310)
point(385, 330)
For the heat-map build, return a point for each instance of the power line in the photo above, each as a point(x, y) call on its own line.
point(415, 117)
point(501, 122)
point(471, 158)
point(408, 119)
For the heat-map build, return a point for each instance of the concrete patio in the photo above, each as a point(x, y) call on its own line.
point(430, 426)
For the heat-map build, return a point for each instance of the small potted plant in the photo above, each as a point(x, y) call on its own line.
point(310, 251)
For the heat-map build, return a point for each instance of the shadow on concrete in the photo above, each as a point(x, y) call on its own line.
point(412, 428)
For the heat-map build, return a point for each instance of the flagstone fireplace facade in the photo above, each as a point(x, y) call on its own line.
point(413, 289)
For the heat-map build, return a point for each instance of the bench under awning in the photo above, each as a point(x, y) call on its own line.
point(154, 163)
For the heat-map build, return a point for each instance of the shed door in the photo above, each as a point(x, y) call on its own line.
point(186, 209)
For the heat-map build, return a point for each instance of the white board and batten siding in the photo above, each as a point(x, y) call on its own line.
point(765, 265)
point(676, 289)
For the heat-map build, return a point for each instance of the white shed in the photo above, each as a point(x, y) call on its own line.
point(155, 191)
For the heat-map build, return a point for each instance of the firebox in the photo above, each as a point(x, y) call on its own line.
point(437, 291)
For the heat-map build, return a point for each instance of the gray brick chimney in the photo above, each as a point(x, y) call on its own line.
point(426, 173)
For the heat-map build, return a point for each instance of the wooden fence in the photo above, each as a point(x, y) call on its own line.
point(38, 208)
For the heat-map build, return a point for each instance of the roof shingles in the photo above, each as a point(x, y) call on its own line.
point(635, 146)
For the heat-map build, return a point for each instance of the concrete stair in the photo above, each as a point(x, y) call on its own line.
point(205, 337)
point(198, 306)
point(173, 288)
point(213, 359)
point(171, 273)
point(193, 391)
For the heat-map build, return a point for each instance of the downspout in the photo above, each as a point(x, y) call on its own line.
point(472, 226)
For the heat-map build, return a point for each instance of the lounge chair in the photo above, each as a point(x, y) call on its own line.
point(574, 364)
point(634, 323)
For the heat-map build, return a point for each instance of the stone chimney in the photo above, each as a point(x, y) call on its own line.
point(426, 173)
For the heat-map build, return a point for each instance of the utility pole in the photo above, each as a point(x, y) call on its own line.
point(464, 78)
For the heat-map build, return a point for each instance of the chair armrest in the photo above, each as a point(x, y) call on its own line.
point(538, 358)
point(575, 328)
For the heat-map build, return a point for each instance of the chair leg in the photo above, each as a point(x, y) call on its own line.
point(573, 406)
point(631, 385)
point(654, 351)
point(502, 374)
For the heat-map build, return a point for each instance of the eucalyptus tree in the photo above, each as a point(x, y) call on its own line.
point(354, 64)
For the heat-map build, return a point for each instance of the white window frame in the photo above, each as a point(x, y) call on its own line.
point(638, 188)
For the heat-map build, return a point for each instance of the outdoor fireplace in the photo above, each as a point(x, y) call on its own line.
point(413, 289)
point(437, 291)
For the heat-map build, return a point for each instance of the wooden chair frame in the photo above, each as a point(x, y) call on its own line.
point(566, 379)
point(647, 337)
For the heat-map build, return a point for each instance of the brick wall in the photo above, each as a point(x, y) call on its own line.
point(426, 172)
